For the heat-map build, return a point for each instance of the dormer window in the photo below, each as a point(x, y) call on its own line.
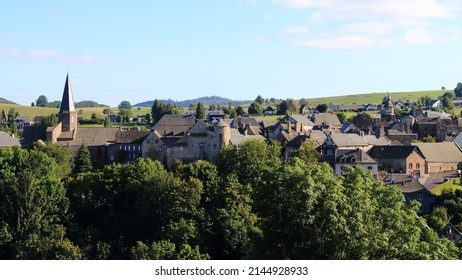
point(343, 159)
point(353, 159)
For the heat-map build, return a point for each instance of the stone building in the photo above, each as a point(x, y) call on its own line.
point(105, 144)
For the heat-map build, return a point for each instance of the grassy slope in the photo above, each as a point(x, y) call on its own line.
point(452, 184)
point(374, 98)
point(87, 112)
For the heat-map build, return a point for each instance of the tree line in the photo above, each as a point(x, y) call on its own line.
point(251, 204)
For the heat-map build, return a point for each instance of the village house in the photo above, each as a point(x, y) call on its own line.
point(412, 189)
point(8, 140)
point(451, 233)
point(105, 144)
point(399, 159)
point(435, 104)
point(336, 142)
point(440, 157)
point(352, 158)
point(326, 120)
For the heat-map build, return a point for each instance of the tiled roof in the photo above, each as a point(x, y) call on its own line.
point(440, 152)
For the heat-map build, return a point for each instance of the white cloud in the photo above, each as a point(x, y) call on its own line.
point(332, 9)
point(360, 24)
point(295, 30)
point(268, 16)
point(347, 42)
point(54, 56)
point(10, 51)
point(44, 54)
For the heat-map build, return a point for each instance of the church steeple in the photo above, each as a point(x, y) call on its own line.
point(67, 103)
point(67, 114)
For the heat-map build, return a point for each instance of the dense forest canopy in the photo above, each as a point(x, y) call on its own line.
point(249, 205)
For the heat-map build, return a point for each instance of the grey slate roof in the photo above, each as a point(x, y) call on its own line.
point(405, 183)
point(359, 155)
point(67, 103)
point(326, 118)
point(174, 125)
point(344, 140)
point(392, 151)
point(237, 138)
point(94, 136)
point(301, 119)
point(440, 152)
point(130, 137)
point(7, 140)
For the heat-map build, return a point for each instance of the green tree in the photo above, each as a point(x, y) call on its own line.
point(157, 111)
point(458, 90)
point(322, 108)
point(83, 160)
point(107, 122)
point(428, 139)
point(341, 117)
point(200, 111)
point(166, 250)
point(259, 100)
point(240, 111)
point(438, 218)
point(108, 111)
point(449, 95)
point(42, 101)
point(447, 103)
point(125, 105)
point(33, 209)
point(282, 108)
point(32, 104)
point(255, 109)
point(147, 118)
point(62, 156)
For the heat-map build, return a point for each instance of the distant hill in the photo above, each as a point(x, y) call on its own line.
point(207, 101)
point(5, 101)
point(81, 104)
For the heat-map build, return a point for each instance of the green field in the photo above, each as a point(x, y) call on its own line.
point(86, 113)
point(452, 184)
point(374, 98)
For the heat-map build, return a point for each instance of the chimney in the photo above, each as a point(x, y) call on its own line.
point(239, 122)
point(361, 133)
point(289, 128)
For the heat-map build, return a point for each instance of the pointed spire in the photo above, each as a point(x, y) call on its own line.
point(67, 103)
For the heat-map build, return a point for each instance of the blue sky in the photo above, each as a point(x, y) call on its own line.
point(143, 50)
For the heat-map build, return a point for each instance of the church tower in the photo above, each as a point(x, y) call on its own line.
point(67, 114)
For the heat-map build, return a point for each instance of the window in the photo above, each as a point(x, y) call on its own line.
point(353, 159)
point(419, 196)
point(369, 167)
point(417, 165)
point(410, 165)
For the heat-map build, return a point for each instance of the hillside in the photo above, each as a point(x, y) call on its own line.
point(374, 98)
point(81, 104)
point(6, 101)
point(207, 101)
